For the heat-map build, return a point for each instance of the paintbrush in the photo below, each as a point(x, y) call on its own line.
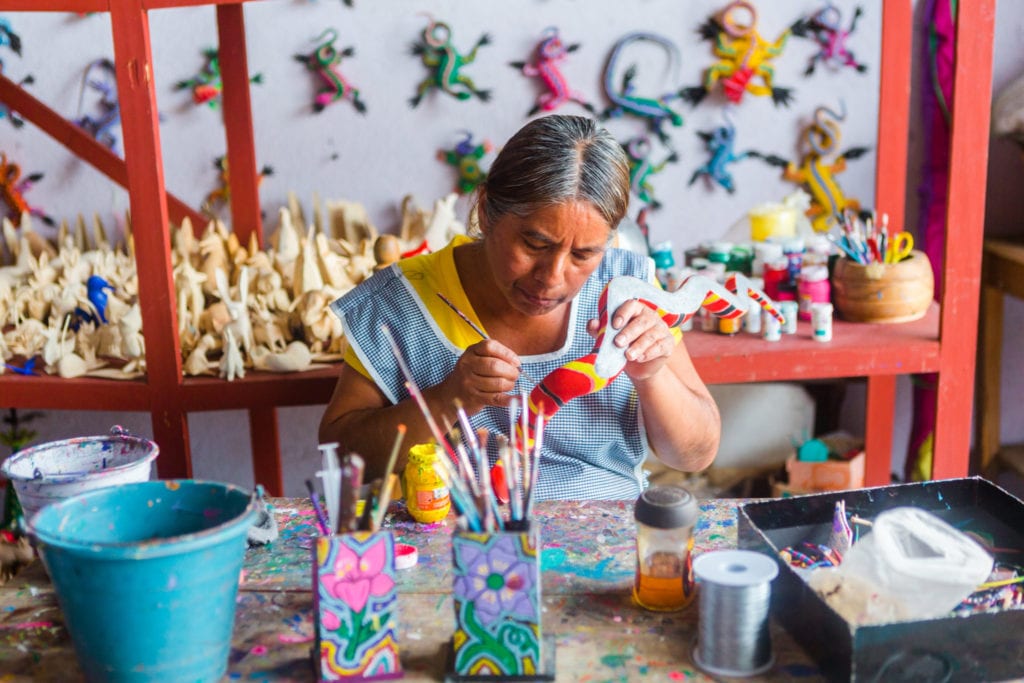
point(417, 396)
point(351, 481)
point(385, 493)
point(476, 328)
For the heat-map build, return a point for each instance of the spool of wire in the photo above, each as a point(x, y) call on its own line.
point(735, 592)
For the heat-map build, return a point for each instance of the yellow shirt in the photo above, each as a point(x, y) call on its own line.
point(429, 274)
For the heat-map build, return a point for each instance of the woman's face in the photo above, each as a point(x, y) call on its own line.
point(541, 261)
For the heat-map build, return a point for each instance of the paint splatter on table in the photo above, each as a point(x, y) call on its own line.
point(586, 544)
point(587, 562)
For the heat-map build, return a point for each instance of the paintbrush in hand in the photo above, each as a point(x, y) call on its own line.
point(476, 328)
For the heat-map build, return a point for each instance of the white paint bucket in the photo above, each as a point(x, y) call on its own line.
point(56, 470)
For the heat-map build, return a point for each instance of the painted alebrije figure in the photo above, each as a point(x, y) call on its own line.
point(436, 51)
point(603, 364)
point(641, 168)
point(743, 57)
point(817, 171)
point(100, 76)
point(824, 28)
point(548, 53)
point(206, 86)
point(222, 195)
point(721, 147)
point(324, 62)
point(13, 188)
point(465, 157)
point(655, 110)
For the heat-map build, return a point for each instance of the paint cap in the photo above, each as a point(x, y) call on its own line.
point(406, 556)
point(666, 507)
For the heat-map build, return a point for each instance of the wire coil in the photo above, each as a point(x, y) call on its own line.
point(735, 596)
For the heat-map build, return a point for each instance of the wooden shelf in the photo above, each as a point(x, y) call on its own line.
point(56, 393)
point(856, 350)
point(942, 343)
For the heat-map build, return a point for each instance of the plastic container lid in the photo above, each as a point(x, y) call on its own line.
point(666, 507)
point(814, 273)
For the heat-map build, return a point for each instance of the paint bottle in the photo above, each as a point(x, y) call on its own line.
point(776, 277)
point(821, 321)
point(771, 329)
point(812, 288)
point(793, 249)
point(763, 253)
point(789, 311)
point(665, 517)
point(426, 495)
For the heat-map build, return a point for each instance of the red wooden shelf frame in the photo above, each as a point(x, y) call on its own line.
point(943, 342)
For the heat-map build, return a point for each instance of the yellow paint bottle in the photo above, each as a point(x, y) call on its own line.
point(426, 495)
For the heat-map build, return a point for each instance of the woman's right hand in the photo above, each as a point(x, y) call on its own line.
point(484, 376)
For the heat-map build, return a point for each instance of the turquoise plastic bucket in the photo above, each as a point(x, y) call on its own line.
point(146, 575)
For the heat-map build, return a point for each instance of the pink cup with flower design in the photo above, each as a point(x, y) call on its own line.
point(355, 601)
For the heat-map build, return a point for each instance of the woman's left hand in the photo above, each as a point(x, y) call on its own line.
point(648, 341)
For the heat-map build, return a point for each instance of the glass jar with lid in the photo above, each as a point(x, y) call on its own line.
point(665, 517)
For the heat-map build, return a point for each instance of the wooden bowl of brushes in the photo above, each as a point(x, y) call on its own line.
point(883, 292)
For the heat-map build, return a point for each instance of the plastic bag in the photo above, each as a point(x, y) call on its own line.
point(911, 566)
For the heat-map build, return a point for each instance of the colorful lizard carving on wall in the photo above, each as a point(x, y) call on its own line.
point(655, 110)
point(437, 53)
point(721, 146)
point(823, 27)
point(641, 168)
point(101, 77)
point(13, 188)
point(465, 157)
point(817, 171)
point(222, 195)
point(206, 86)
point(547, 55)
point(324, 62)
point(744, 58)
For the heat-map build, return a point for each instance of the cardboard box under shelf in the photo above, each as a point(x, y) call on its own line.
point(828, 475)
point(979, 647)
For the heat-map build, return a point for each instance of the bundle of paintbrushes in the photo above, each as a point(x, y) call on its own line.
point(864, 241)
point(476, 488)
point(343, 490)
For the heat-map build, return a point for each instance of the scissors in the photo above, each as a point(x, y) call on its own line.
point(899, 247)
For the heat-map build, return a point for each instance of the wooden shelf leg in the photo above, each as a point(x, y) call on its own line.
point(133, 62)
point(266, 453)
point(243, 176)
point(170, 431)
point(990, 343)
point(878, 428)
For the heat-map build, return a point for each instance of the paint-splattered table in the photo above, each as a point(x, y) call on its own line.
point(587, 562)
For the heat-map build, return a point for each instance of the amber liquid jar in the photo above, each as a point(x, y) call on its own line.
point(665, 517)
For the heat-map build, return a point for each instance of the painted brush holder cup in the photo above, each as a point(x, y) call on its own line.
point(497, 598)
point(883, 292)
point(50, 472)
point(355, 603)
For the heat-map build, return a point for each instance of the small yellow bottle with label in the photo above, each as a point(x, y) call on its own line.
point(426, 495)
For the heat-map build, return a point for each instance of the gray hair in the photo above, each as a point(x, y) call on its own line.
point(555, 159)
